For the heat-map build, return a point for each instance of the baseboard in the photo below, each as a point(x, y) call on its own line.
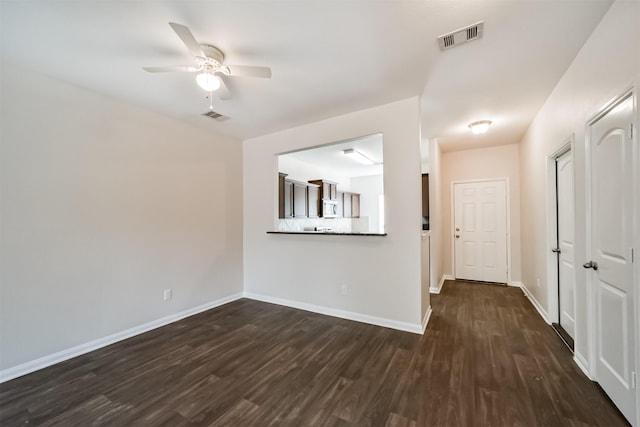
point(436, 290)
point(343, 314)
point(577, 357)
point(534, 301)
point(61, 356)
point(582, 364)
point(425, 320)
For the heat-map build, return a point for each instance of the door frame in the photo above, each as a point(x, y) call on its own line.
point(592, 333)
point(453, 220)
point(553, 300)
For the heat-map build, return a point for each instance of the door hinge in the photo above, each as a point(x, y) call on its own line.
point(632, 256)
point(633, 380)
point(630, 130)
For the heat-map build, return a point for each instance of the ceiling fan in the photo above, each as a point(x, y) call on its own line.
point(209, 64)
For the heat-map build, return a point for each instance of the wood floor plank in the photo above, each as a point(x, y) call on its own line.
point(486, 359)
point(239, 415)
point(395, 420)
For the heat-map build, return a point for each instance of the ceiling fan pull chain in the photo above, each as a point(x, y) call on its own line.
point(211, 101)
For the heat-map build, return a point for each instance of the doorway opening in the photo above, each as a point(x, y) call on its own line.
point(562, 243)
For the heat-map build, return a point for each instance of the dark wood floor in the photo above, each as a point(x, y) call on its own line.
point(487, 359)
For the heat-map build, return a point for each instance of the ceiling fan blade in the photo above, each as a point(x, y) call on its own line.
point(187, 38)
point(170, 69)
point(249, 71)
point(223, 90)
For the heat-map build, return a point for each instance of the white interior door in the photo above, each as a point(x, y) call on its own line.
point(565, 248)
point(611, 241)
point(480, 231)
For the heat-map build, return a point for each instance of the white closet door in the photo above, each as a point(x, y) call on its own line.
point(566, 221)
point(612, 198)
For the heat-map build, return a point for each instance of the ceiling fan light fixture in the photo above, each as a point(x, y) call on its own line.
point(358, 156)
point(208, 81)
point(480, 127)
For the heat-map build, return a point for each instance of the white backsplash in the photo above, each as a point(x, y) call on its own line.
point(338, 225)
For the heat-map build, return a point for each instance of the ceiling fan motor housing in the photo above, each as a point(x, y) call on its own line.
point(214, 55)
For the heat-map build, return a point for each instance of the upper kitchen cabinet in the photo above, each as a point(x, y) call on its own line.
point(313, 201)
point(355, 205)
point(297, 199)
point(328, 189)
point(351, 204)
point(285, 196)
point(300, 200)
point(425, 201)
point(346, 205)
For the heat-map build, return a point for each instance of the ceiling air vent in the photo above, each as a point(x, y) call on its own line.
point(463, 35)
point(216, 116)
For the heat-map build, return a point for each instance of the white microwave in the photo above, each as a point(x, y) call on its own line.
point(329, 208)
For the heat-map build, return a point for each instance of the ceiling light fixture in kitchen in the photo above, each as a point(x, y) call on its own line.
point(358, 156)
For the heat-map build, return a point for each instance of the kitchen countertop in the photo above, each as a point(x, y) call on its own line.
point(331, 233)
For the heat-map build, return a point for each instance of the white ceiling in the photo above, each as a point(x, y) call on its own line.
point(331, 158)
point(327, 57)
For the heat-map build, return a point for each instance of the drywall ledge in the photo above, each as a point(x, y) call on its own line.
point(343, 314)
point(61, 356)
point(328, 233)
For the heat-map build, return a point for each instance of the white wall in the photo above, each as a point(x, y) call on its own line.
point(435, 213)
point(103, 206)
point(482, 163)
point(382, 273)
point(425, 277)
point(608, 64)
point(370, 189)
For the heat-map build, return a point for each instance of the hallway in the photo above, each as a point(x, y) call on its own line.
point(521, 372)
point(487, 359)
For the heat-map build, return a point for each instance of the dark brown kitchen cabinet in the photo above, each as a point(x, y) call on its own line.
point(328, 189)
point(299, 200)
point(313, 201)
point(425, 201)
point(351, 205)
point(355, 205)
point(285, 196)
point(288, 199)
point(346, 205)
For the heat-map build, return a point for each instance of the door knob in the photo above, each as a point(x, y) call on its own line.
point(555, 250)
point(457, 229)
point(457, 236)
point(591, 264)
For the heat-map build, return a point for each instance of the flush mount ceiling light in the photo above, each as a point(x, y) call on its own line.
point(480, 127)
point(358, 156)
point(208, 81)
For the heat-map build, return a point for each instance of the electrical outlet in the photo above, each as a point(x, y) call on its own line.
point(167, 295)
point(344, 290)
